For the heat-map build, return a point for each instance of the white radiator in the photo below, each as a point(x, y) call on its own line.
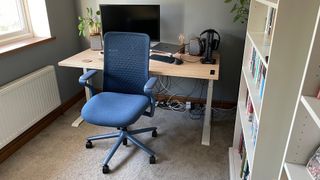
point(25, 101)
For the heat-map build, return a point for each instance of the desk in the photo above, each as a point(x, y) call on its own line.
point(89, 59)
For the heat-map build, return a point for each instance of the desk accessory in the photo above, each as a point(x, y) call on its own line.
point(313, 165)
point(95, 42)
point(196, 47)
point(177, 61)
point(167, 48)
point(161, 58)
point(181, 43)
point(212, 42)
point(204, 46)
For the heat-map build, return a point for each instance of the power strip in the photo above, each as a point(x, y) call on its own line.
point(188, 105)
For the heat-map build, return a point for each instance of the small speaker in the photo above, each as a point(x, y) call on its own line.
point(195, 47)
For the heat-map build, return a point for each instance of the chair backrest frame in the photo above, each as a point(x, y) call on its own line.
point(126, 62)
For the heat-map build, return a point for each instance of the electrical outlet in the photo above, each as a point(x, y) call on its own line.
point(188, 105)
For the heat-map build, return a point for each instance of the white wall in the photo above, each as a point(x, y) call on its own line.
point(191, 17)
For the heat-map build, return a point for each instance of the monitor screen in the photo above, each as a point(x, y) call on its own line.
point(131, 18)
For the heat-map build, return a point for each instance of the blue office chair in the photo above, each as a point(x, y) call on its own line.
point(127, 91)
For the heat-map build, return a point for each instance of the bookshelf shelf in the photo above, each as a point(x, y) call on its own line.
point(261, 44)
point(280, 136)
point(271, 3)
point(235, 164)
point(246, 128)
point(304, 134)
point(296, 172)
point(312, 105)
point(253, 91)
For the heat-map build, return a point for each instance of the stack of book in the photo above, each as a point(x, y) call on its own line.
point(258, 70)
point(251, 118)
point(244, 170)
point(270, 21)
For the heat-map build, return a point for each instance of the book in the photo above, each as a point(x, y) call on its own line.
point(246, 171)
point(249, 110)
point(244, 161)
point(269, 21)
point(313, 165)
point(262, 81)
point(240, 148)
point(253, 61)
point(254, 130)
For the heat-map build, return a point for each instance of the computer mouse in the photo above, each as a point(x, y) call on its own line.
point(177, 61)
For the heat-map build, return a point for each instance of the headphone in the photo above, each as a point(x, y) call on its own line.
point(197, 45)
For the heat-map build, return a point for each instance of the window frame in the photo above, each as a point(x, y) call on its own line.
point(26, 32)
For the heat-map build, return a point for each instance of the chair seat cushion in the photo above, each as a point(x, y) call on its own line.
point(114, 109)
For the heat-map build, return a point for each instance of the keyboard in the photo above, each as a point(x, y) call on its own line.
point(165, 59)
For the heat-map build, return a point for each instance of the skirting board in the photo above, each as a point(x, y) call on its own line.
point(217, 104)
point(25, 137)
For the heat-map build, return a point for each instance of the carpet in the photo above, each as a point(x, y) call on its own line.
point(59, 152)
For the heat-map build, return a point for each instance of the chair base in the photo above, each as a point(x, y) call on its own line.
point(123, 135)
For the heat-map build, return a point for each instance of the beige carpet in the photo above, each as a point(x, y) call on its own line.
point(59, 152)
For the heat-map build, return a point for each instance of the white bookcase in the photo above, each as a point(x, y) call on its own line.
point(287, 49)
point(305, 129)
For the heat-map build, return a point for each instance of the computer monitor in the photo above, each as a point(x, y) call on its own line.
point(131, 18)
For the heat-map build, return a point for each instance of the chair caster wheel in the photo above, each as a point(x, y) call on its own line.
point(105, 169)
point(89, 145)
point(125, 141)
point(152, 160)
point(154, 133)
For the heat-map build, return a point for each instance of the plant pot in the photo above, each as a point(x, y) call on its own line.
point(95, 42)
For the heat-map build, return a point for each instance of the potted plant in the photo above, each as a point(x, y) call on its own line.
point(240, 10)
point(91, 23)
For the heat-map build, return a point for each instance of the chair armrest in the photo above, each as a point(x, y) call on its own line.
point(148, 91)
point(83, 81)
point(149, 85)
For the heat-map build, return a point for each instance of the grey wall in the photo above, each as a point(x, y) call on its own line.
point(191, 17)
point(62, 20)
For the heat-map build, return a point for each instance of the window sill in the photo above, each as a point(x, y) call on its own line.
point(12, 47)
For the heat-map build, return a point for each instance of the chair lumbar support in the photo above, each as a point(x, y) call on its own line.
point(122, 136)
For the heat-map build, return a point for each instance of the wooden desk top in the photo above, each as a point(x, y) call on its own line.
point(94, 60)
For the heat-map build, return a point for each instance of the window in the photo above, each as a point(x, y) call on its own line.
point(14, 21)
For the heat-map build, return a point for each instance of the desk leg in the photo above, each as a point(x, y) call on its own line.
point(207, 117)
point(79, 120)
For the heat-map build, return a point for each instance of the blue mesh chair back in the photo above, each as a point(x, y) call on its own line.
point(126, 62)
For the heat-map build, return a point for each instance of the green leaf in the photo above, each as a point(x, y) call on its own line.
point(236, 18)
point(90, 12)
point(227, 1)
point(81, 26)
point(234, 8)
point(242, 2)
